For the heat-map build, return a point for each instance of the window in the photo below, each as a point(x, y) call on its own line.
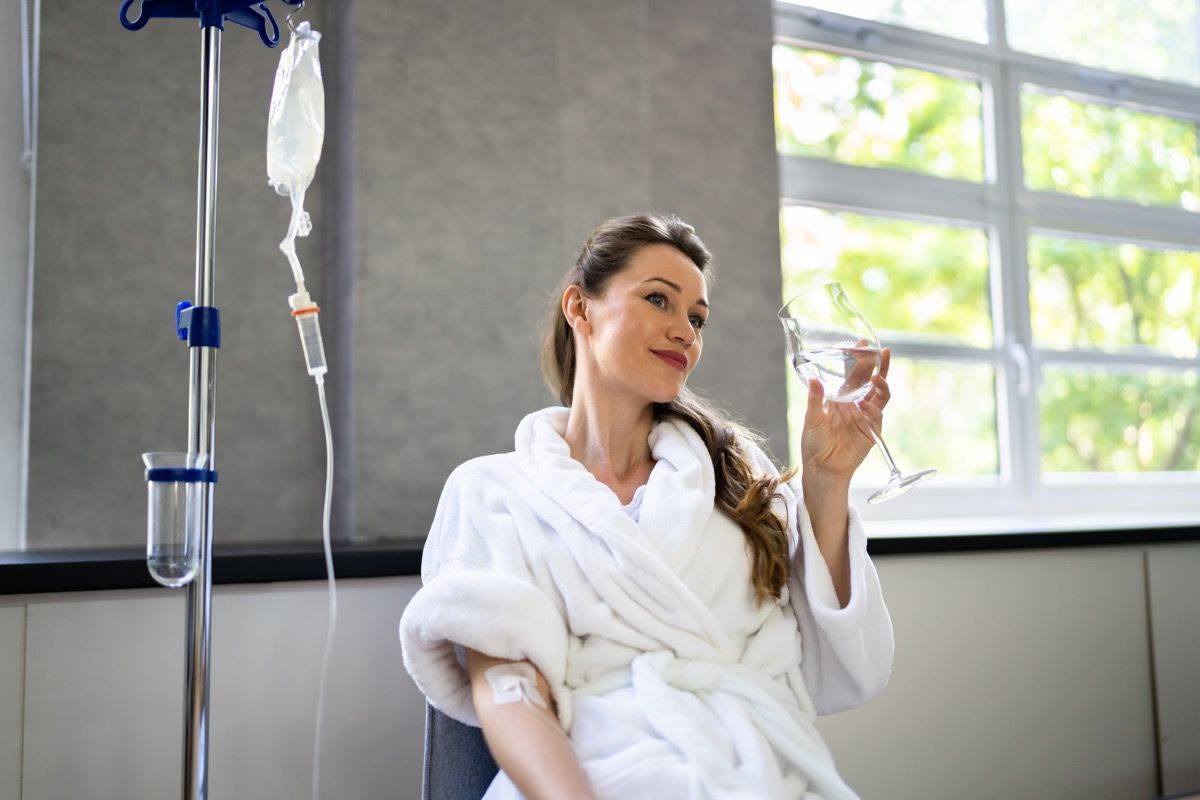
point(1019, 216)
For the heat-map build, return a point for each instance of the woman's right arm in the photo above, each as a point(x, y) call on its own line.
point(526, 739)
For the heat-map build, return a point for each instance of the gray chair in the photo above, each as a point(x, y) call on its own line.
point(458, 763)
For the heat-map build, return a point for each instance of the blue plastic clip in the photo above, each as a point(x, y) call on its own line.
point(199, 326)
point(181, 475)
point(182, 320)
point(252, 14)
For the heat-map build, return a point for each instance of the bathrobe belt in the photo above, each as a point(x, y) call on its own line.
point(656, 679)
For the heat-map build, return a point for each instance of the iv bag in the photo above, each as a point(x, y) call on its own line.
point(296, 120)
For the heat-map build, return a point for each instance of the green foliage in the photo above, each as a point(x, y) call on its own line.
point(1090, 150)
point(927, 423)
point(1120, 422)
point(871, 113)
point(1110, 296)
point(921, 279)
point(1155, 38)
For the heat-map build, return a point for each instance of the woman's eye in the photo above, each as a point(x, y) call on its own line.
point(657, 299)
point(698, 321)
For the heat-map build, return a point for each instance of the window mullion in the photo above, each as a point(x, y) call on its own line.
point(1117, 360)
point(828, 183)
point(909, 346)
point(1110, 220)
point(997, 26)
point(1017, 384)
point(1095, 85)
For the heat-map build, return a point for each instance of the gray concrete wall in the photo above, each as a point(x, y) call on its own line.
point(492, 138)
point(116, 251)
point(14, 227)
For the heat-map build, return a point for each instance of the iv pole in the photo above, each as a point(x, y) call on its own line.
point(202, 401)
point(200, 325)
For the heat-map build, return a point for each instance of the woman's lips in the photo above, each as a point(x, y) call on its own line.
point(677, 360)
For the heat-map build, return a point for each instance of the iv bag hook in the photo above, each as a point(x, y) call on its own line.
point(293, 13)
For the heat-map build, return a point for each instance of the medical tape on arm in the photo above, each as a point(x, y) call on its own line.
point(514, 683)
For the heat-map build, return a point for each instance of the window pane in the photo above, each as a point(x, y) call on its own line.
point(1095, 421)
point(1095, 294)
point(872, 114)
point(1091, 150)
point(919, 278)
point(1156, 39)
point(942, 414)
point(962, 19)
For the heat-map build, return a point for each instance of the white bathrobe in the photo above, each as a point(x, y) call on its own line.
point(669, 678)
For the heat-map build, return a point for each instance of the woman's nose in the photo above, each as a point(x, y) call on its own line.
point(683, 332)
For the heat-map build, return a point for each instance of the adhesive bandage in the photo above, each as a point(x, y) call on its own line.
point(514, 683)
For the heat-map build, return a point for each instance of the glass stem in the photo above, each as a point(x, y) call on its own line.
point(887, 455)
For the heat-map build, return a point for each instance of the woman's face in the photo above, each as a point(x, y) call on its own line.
point(643, 334)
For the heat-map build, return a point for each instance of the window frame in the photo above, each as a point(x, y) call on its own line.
point(1020, 497)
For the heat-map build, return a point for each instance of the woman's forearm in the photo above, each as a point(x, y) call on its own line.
point(828, 507)
point(527, 740)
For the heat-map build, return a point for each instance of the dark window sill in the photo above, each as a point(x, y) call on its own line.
point(39, 571)
point(983, 542)
point(92, 570)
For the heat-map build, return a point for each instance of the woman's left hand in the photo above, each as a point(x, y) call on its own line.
point(836, 438)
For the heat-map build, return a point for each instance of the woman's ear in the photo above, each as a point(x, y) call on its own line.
point(574, 308)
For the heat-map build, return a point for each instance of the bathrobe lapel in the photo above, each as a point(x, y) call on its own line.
point(677, 505)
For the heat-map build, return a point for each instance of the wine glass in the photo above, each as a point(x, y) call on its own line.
point(830, 340)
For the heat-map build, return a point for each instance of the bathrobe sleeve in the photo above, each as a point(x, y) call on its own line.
point(479, 591)
point(846, 652)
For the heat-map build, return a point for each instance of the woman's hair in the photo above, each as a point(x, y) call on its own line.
point(740, 493)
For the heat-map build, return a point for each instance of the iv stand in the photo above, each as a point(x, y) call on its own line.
point(202, 401)
point(202, 332)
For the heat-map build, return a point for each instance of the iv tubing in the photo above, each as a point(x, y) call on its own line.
point(288, 245)
point(333, 604)
point(294, 137)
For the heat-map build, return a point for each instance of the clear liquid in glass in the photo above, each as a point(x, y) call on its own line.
point(844, 372)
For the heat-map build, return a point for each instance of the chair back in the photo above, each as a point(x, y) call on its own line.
point(458, 763)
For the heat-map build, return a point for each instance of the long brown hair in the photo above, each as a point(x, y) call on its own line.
point(745, 496)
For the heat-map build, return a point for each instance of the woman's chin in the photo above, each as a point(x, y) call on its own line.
point(666, 394)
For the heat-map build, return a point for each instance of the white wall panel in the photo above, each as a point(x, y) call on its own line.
point(12, 689)
point(104, 702)
point(105, 695)
point(1174, 573)
point(1016, 675)
point(266, 669)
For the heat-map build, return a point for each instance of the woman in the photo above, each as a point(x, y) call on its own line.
point(635, 603)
